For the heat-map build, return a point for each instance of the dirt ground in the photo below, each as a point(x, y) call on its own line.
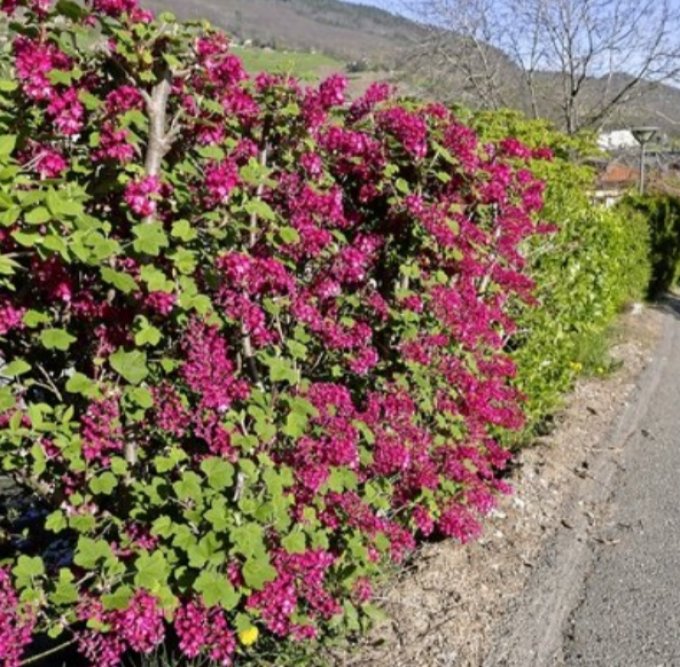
point(444, 610)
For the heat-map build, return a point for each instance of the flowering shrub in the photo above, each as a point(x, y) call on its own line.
point(252, 337)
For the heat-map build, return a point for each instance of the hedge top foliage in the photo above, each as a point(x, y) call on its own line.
point(251, 336)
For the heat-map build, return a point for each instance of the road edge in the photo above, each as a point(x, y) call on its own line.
point(531, 632)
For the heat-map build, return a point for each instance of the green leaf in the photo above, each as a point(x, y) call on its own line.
point(147, 334)
point(152, 570)
point(188, 487)
point(91, 102)
point(248, 539)
point(34, 318)
point(7, 400)
point(104, 484)
point(207, 550)
point(60, 76)
point(56, 522)
point(65, 591)
point(216, 590)
point(257, 572)
point(26, 240)
point(150, 238)
point(183, 230)
point(282, 370)
point(7, 266)
point(260, 209)
point(119, 599)
point(90, 552)
point(185, 260)
point(71, 9)
point(294, 543)
point(220, 473)
point(218, 514)
point(289, 235)
point(130, 365)
point(162, 526)
point(155, 279)
point(141, 396)
point(15, 368)
point(402, 186)
point(122, 281)
point(56, 339)
point(27, 569)
point(211, 152)
point(38, 216)
point(8, 143)
point(81, 384)
point(296, 424)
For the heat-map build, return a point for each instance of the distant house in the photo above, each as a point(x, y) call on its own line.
point(613, 181)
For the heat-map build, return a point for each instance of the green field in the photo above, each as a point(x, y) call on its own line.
point(308, 66)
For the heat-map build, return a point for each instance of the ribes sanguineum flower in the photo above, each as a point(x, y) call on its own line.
point(16, 623)
point(141, 196)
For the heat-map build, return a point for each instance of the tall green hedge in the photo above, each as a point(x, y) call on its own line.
point(662, 212)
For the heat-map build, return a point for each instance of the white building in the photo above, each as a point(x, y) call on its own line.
point(616, 139)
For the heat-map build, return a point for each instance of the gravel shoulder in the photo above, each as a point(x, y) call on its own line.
point(507, 599)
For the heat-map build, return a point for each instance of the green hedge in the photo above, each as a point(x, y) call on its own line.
point(662, 212)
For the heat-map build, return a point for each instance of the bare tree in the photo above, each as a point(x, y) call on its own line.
point(579, 60)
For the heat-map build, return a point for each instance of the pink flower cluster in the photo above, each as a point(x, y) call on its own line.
point(16, 623)
point(138, 627)
point(220, 179)
point(203, 631)
point(141, 196)
point(101, 430)
point(11, 317)
point(300, 580)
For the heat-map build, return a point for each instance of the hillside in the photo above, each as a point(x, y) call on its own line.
point(345, 31)
point(328, 35)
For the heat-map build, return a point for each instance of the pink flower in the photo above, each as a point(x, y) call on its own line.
point(205, 631)
point(34, 60)
point(208, 370)
point(16, 623)
point(220, 180)
point(114, 146)
point(49, 163)
point(115, 7)
point(141, 196)
point(160, 302)
point(101, 431)
point(458, 522)
point(67, 112)
point(11, 317)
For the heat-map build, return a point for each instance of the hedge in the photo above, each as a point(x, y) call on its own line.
point(662, 211)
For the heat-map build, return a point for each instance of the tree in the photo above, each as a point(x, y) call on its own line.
point(575, 60)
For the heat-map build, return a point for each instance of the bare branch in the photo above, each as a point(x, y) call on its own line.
point(576, 60)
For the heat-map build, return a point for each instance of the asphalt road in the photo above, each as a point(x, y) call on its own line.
point(629, 613)
point(606, 592)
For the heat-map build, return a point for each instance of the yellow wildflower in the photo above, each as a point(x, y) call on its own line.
point(249, 636)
